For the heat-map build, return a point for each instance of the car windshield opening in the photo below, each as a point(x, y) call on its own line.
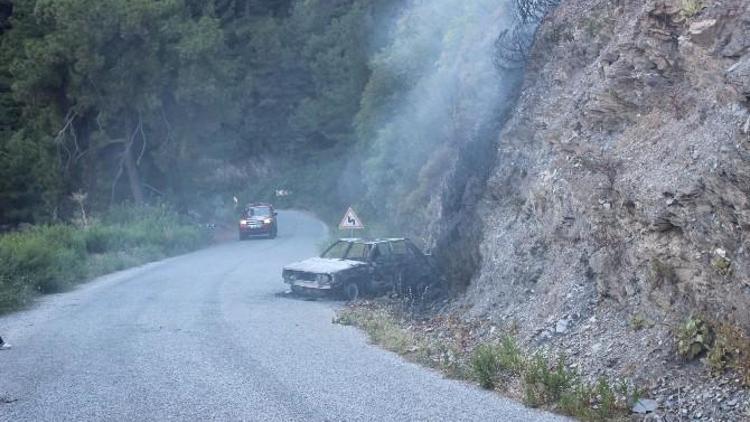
point(347, 250)
point(258, 212)
point(337, 251)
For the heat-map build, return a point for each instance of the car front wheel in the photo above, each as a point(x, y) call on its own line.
point(351, 292)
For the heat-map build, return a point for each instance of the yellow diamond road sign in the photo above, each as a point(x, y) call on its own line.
point(351, 221)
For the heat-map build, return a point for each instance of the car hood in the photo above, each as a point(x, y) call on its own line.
point(323, 265)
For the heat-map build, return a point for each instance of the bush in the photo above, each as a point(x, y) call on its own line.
point(694, 337)
point(489, 360)
point(730, 349)
point(485, 365)
point(543, 385)
point(511, 356)
point(49, 259)
point(690, 8)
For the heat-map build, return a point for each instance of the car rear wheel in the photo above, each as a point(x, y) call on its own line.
point(351, 292)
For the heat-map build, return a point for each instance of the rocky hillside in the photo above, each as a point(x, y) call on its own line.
point(619, 201)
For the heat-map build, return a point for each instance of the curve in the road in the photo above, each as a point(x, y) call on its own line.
point(205, 336)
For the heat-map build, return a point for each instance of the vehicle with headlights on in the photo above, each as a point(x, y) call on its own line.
point(258, 220)
point(353, 267)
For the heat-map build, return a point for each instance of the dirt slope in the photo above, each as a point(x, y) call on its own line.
point(621, 192)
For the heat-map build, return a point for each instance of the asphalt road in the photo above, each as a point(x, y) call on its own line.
point(205, 336)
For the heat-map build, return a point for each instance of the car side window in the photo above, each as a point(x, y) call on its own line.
point(380, 253)
point(400, 249)
point(414, 249)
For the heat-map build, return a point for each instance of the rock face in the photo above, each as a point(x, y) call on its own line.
point(622, 179)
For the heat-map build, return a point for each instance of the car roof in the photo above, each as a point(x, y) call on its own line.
point(371, 241)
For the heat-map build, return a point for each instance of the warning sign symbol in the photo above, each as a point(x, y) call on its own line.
point(351, 221)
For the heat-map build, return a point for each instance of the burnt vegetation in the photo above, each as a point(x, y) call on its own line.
point(512, 46)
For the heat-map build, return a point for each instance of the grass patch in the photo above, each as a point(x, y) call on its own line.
point(485, 365)
point(543, 381)
point(725, 347)
point(639, 322)
point(50, 259)
point(690, 8)
point(380, 327)
point(730, 350)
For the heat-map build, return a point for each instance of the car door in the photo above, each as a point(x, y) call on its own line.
point(383, 266)
point(421, 265)
point(405, 268)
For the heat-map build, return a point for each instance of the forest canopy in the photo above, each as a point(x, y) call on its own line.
point(191, 103)
point(171, 100)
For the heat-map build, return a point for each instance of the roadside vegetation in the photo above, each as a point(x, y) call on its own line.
point(720, 346)
point(499, 364)
point(52, 258)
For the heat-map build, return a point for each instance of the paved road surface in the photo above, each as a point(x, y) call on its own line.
point(205, 337)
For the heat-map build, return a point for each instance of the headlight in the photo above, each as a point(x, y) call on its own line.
point(243, 222)
point(323, 279)
point(268, 221)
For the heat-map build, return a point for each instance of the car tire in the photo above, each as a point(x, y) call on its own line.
point(274, 233)
point(351, 292)
point(243, 237)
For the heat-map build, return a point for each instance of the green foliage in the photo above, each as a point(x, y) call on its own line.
point(730, 350)
point(379, 326)
point(542, 384)
point(485, 364)
point(722, 265)
point(49, 259)
point(690, 8)
point(489, 360)
point(639, 322)
point(201, 91)
point(694, 337)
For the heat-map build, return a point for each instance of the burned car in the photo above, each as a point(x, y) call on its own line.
point(353, 267)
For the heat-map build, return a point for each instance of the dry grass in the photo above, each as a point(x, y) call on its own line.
point(543, 381)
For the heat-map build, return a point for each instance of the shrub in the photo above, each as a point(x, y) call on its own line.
point(694, 337)
point(722, 265)
point(100, 238)
point(577, 401)
point(485, 365)
point(510, 355)
point(544, 385)
point(730, 349)
point(690, 8)
point(49, 259)
point(639, 322)
point(14, 292)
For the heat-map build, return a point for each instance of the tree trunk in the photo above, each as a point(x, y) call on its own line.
point(136, 188)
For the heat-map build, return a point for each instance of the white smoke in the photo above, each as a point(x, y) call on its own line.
point(441, 86)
